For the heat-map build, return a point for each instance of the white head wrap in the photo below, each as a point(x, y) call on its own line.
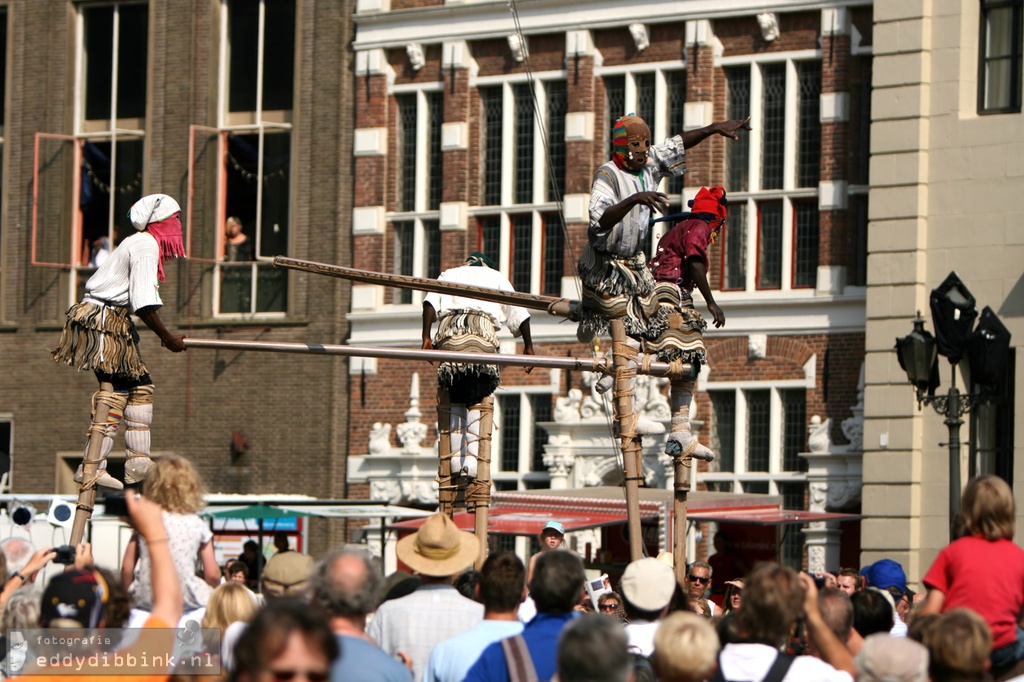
point(152, 209)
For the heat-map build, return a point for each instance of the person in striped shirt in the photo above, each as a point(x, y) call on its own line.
point(99, 334)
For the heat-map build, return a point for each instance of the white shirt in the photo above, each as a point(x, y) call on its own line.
point(127, 277)
point(752, 661)
point(479, 276)
point(641, 635)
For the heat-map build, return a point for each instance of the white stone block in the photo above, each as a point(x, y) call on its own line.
point(835, 21)
point(699, 32)
point(835, 107)
point(453, 216)
point(832, 195)
point(455, 55)
point(579, 43)
point(371, 62)
point(368, 220)
point(831, 279)
point(358, 366)
point(368, 6)
point(576, 208)
point(454, 135)
point(370, 142)
point(698, 114)
point(579, 125)
point(366, 297)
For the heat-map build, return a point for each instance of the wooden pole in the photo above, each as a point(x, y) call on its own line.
point(602, 365)
point(90, 465)
point(556, 306)
point(480, 497)
point(445, 485)
point(682, 490)
point(629, 441)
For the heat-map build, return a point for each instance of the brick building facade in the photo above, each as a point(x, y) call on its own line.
point(234, 108)
point(465, 141)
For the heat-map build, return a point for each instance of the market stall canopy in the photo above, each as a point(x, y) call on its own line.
point(517, 521)
point(771, 517)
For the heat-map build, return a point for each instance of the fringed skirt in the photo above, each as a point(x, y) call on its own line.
point(615, 287)
point(682, 328)
point(100, 338)
point(467, 331)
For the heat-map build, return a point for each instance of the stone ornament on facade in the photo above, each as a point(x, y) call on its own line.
point(853, 427)
point(517, 44)
point(769, 23)
point(416, 57)
point(413, 431)
point(380, 439)
point(757, 346)
point(819, 438)
point(640, 37)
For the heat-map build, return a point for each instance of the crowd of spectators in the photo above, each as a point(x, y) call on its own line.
point(339, 618)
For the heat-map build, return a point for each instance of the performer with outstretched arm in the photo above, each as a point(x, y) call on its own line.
point(99, 334)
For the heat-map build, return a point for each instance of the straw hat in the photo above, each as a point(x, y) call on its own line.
point(438, 548)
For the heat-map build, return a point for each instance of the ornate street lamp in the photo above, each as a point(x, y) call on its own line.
point(954, 313)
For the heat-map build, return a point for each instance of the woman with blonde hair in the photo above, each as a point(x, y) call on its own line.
point(174, 484)
point(984, 570)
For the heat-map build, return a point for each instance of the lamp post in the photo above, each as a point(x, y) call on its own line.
point(954, 313)
point(918, 355)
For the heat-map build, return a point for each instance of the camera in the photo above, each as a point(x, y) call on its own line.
point(65, 555)
point(114, 504)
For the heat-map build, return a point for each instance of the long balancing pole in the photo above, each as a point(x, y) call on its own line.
point(629, 441)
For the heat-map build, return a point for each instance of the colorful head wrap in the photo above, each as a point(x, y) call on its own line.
point(628, 128)
point(711, 201)
point(480, 260)
point(159, 214)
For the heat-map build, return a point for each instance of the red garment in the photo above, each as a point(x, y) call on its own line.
point(986, 577)
point(687, 239)
point(167, 234)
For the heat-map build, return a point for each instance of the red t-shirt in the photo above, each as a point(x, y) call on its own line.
point(986, 577)
point(686, 240)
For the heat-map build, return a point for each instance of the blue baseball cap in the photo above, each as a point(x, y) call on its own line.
point(885, 573)
point(555, 526)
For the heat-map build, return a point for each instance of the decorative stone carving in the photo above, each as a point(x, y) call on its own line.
point(757, 346)
point(517, 44)
point(567, 409)
point(853, 427)
point(416, 58)
point(380, 439)
point(388, 490)
point(419, 492)
point(413, 431)
point(818, 437)
point(640, 37)
point(769, 23)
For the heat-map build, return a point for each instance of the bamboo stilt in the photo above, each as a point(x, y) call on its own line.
point(479, 497)
point(629, 441)
point(90, 465)
point(682, 490)
point(446, 488)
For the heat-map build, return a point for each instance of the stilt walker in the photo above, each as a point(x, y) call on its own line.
point(99, 335)
point(465, 407)
point(679, 265)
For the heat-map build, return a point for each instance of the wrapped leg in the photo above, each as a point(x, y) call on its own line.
point(138, 415)
point(106, 430)
point(467, 464)
point(681, 442)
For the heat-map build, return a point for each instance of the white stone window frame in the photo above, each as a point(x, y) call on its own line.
point(420, 213)
point(540, 128)
point(258, 121)
point(775, 475)
point(789, 193)
point(524, 473)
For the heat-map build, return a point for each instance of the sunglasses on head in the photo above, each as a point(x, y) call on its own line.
point(700, 579)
